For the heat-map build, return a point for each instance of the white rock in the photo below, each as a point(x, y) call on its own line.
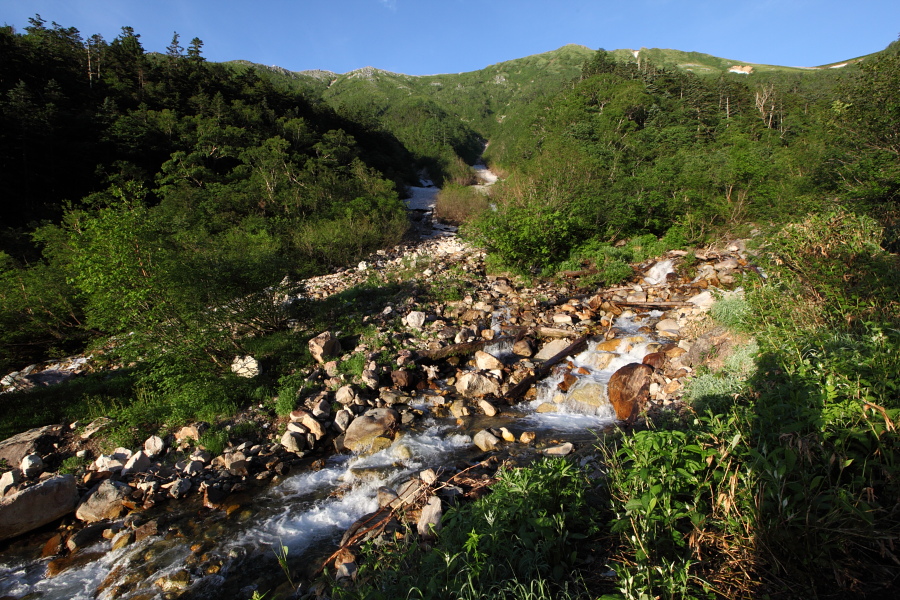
point(561, 450)
point(154, 446)
point(138, 463)
point(32, 465)
point(245, 366)
point(415, 319)
point(487, 362)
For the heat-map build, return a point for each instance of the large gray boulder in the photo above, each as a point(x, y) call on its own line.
point(106, 501)
point(37, 505)
point(14, 449)
point(378, 422)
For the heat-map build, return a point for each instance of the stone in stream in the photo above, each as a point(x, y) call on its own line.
point(487, 362)
point(472, 384)
point(488, 408)
point(37, 505)
point(524, 348)
point(377, 422)
point(560, 450)
point(105, 501)
point(628, 388)
point(551, 349)
point(485, 440)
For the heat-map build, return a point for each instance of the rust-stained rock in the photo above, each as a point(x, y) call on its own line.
point(628, 388)
point(655, 359)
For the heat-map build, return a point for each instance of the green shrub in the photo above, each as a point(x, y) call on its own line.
point(520, 541)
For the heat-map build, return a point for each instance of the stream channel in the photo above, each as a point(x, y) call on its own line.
point(215, 554)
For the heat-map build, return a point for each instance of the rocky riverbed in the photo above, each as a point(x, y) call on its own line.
point(512, 370)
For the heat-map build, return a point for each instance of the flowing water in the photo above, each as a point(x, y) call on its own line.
point(214, 554)
point(308, 512)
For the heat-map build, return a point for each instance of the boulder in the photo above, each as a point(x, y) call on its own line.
point(628, 388)
point(293, 441)
point(655, 359)
point(179, 487)
point(377, 422)
point(345, 395)
point(343, 419)
point(105, 501)
point(14, 449)
point(37, 505)
point(324, 345)
point(138, 463)
point(306, 419)
point(472, 385)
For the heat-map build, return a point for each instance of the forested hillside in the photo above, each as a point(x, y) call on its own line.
point(141, 188)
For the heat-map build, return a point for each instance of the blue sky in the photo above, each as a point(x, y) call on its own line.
point(420, 37)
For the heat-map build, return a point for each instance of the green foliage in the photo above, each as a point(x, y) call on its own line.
point(786, 470)
point(733, 312)
point(74, 465)
point(527, 530)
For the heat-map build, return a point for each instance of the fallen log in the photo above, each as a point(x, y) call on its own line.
point(467, 348)
point(654, 304)
point(542, 371)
